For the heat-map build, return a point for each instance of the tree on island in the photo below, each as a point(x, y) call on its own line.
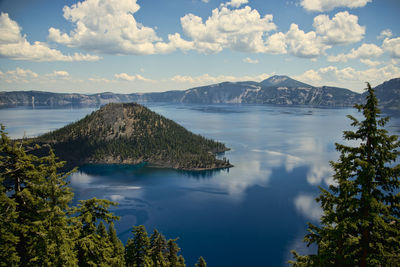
point(361, 220)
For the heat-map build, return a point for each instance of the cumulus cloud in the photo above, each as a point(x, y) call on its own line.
point(18, 75)
point(385, 33)
point(308, 207)
point(59, 74)
point(343, 28)
point(239, 29)
point(349, 77)
point(365, 51)
point(371, 63)
point(207, 79)
point(235, 3)
point(250, 60)
point(106, 26)
point(302, 44)
point(327, 5)
point(127, 77)
point(392, 46)
point(14, 45)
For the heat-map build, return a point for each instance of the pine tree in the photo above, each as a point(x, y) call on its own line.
point(172, 253)
point(8, 210)
point(201, 263)
point(118, 249)
point(37, 198)
point(158, 246)
point(93, 245)
point(361, 221)
point(137, 250)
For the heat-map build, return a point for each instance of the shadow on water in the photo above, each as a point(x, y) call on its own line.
point(143, 169)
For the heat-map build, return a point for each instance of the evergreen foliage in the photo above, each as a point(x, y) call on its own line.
point(201, 263)
point(39, 228)
point(131, 133)
point(361, 220)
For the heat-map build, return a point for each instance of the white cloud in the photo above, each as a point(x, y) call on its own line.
point(365, 51)
point(343, 28)
point(250, 60)
point(302, 44)
point(349, 77)
point(371, 63)
point(392, 46)
point(59, 74)
point(384, 34)
point(205, 1)
point(127, 77)
point(235, 3)
point(239, 29)
point(209, 79)
point(106, 26)
point(327, 5)
point(14, 45)
point(18, 76)
point(308, 207)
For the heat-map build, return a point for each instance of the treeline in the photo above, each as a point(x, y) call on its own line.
point(39, 227)
point(126, 133)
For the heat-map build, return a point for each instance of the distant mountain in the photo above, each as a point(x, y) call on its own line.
point(388, 94)
point(278, 90)
point(132, 134)
point(284, 81)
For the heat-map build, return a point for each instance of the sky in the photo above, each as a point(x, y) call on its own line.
point(138, 46)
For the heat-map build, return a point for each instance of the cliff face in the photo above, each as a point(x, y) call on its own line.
point(131, 134)
point(279, 90)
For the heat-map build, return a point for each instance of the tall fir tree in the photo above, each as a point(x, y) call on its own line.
point(201, 262)
point(8, 208)
point(172, 254)
point(118, 255)
point(38, 197)
point(137, 249)
point(361, 220)
point(93, 245)
point(158, 245)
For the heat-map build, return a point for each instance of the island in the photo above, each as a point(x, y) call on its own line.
point(129, 133)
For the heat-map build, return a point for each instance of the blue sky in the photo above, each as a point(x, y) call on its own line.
point(127, 46)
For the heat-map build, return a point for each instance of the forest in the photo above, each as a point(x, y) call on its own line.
point(40, 227)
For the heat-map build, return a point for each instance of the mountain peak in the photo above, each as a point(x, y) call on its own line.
point(283, 81)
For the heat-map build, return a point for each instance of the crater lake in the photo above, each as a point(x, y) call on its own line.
point(250, 215)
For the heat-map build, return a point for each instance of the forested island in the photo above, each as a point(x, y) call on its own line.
point(130, 133)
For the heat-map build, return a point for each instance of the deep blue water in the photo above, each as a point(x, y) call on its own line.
point(250, 215)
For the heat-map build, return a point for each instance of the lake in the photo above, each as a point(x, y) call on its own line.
point(250, 215)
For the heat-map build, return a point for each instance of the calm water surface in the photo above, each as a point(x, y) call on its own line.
point(251, 215)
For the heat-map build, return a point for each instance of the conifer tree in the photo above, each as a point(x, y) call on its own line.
point(158, 246)
point(201, 263)
point(118, 249)
point(8, 210)
point(361, 220)
point(37, 198)
point(93, 245)
point(137, 250)
point(172, 253)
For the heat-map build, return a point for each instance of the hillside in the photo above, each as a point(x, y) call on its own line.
point(277, 90)
point(388, 94)
point(132, 134)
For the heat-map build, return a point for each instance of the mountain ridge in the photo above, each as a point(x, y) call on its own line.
point(278, 89)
